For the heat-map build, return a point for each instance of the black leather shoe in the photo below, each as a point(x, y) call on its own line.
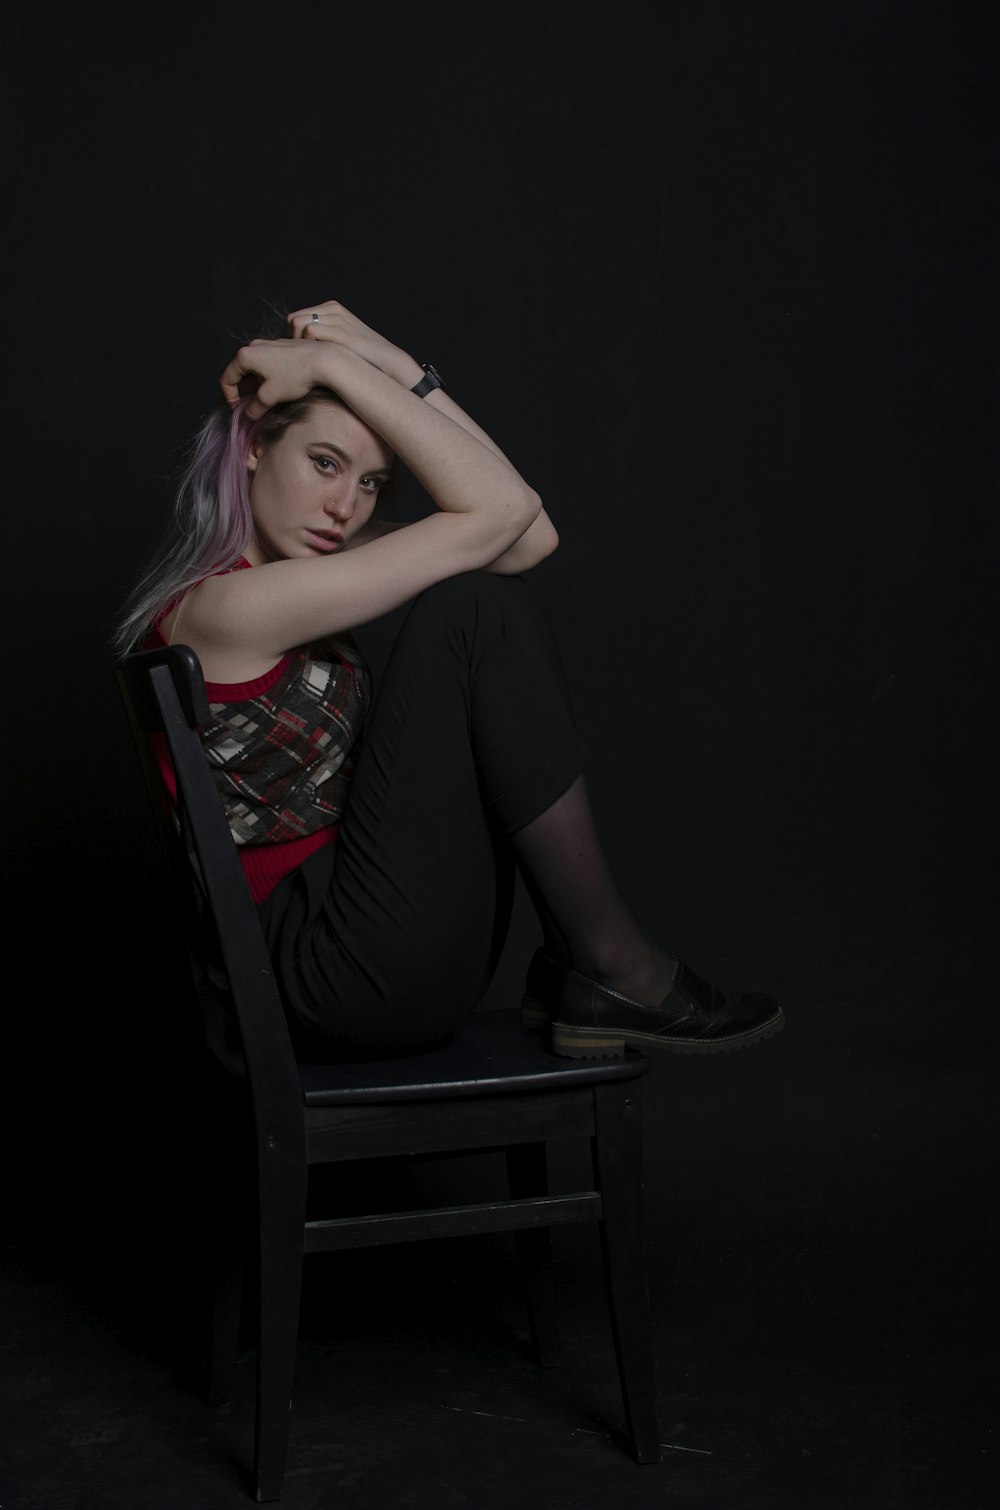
point(541, 988)
point(590, 1021)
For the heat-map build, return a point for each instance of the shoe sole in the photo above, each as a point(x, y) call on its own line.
point(534, 1016)
point(609, 1043)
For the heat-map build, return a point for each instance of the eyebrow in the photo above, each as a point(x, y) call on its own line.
point(328, 445)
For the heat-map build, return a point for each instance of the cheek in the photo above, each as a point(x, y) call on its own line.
point(266, 509)
point(258, 493)
point(270, 488)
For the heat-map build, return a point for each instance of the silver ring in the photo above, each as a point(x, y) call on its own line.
point(315, 318)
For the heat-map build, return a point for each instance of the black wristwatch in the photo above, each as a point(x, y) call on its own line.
point(431, 379)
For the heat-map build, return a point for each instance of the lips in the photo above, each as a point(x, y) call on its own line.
point(325, 541)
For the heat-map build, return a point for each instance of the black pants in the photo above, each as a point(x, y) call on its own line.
point(385, 941)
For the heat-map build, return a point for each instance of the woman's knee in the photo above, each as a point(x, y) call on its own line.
point(471, 590)
point(467, 608)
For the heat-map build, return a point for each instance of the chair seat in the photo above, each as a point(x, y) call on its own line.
point(492, 1056)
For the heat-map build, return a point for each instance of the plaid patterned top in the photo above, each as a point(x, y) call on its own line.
point(283, 749)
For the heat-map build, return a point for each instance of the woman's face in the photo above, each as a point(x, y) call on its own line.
point(315, 486)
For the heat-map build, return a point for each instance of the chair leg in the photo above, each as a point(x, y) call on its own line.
point(227, 1306)
point(527, 1173)
point(230, 1194)
point(617, 1151)
point(282, 1203)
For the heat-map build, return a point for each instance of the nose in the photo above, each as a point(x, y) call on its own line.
point(343, 500)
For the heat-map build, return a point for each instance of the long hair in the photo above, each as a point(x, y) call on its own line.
point(212, 525)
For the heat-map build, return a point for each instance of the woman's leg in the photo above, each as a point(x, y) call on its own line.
point(388, 940)
point(587, 923)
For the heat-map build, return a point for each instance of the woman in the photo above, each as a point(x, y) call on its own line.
point(379, 842)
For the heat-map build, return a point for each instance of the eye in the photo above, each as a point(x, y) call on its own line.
point(325, 464)
point(371, 484)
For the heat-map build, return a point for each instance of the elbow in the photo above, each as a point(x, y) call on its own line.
point(518, 537)
point(543, 543)
point(538, 541)
point(549, 541)
point(532, 507)
point(522, 510)
point(542, 534)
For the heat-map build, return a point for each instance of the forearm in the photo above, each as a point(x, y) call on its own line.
point(331, 322)
point(541, 538)
point(461, 468)
point(538, 541)
point(460, 472)
point(407, 372)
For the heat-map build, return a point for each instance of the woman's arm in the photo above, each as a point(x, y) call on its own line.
point(240, 623)
point(538, 541)
point(333, 322)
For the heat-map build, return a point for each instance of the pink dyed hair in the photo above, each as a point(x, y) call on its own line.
point(212, 524)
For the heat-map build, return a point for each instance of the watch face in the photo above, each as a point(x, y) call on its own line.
point(431, 379)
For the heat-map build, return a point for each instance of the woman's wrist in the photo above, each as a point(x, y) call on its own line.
point(407, 370)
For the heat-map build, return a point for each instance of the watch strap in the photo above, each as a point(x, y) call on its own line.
point(431, 379)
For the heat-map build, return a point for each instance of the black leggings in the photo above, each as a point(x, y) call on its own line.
point(385, 941)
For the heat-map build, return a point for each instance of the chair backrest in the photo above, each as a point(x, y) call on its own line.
point(245, 1027)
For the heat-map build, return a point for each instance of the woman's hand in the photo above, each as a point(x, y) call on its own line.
point(278, 371)
point(332, 322)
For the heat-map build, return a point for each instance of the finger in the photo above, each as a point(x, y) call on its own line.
point(230, 386)
point(229, 378)
point(323, 328)
point(243, 369)
point(261, 400)
point(312, 314)
point(238, 393)
point(300, 322)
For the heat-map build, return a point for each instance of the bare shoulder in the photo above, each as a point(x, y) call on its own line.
point(204, 619)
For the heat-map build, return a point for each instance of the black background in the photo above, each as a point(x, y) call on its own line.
point(721, 280)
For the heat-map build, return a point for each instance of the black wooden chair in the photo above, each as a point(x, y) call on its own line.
point(495, 1087)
